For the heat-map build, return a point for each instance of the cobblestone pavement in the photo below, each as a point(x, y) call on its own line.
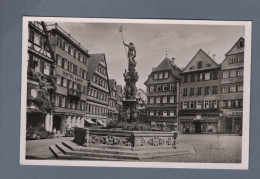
point(39, 149)
point(209, 149)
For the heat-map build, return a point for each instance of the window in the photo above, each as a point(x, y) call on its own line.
point(158, 100)
point(158, 113)
point(215, 90)
point(199, 91)
point(215, 75)
point(158, 88)
point(64, 82)
point(200, 77)
point(31, 35)
point(240, 87)
point(46, 68)
point(225, 89)
point(241, 44)
point(199, 64)
point(184, 105)
point(191, 91)
point(66, 47)
point(63, 102)
point(240, 72)
point(192, 105)
point(206, 90)
point(151, 100)
point(151, 113)
point(59, 60)
point(232, 88)
point(240, 57)
point(59, 42)
point(192, 78)
point(165, 99)
point(160, 75)
point(164, 112)
point(165, 87)
point(225, 74)
point(224, 104)
point(207, 65)
point(232, 103)
point(215, 104)
point(171, 113)
point(207, 76)
point(206, 104)
point(192, 68)
point(240, 103)
point(185, 79)
point(198, 104)
point(166, 74)
point(233, 73)
point(171, 99)
point(151, 89)
point(185, 92)
point(171, 87)
point(58, 80)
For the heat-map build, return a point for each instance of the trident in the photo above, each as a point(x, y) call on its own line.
point(120, 29)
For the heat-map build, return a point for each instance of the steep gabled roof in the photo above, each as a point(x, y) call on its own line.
point(206, 57)
point(166, 65)
point(234, 49)
point(93, 62)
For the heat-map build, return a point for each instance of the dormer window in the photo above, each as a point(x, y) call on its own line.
point(199, 64)
point(155, 76)
point(160, 75)
point(241, 44)
point(166, 74)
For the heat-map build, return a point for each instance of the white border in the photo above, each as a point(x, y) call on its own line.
point(246, 97)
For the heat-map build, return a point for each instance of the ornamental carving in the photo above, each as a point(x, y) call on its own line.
point(156, 141)
point(140, 142)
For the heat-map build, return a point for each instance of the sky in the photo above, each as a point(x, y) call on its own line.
point(151, 42)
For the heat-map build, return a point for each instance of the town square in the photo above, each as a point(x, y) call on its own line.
point(134, 92)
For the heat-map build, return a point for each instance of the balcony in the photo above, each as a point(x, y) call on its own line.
point(75, 94)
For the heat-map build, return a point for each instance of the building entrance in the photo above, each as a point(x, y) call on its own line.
point(57, 123)
point(228, 125)
point(197, 127)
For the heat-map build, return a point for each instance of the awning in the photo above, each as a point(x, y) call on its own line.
point(90, 121)
point(100, 122)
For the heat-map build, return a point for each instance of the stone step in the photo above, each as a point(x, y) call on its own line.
point(99, 154)
point(60, 155)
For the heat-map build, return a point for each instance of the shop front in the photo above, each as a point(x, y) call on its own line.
point(231, 121)
point(199, 124)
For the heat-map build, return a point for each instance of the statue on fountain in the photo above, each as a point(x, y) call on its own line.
point(131, 76)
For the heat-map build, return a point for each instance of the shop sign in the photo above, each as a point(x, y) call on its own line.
point(232, 113)
point(73, 77)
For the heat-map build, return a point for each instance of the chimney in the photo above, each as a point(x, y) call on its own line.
point(173, 60)
point(214, 56)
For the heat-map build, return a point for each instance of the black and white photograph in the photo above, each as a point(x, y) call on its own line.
point(135, 93)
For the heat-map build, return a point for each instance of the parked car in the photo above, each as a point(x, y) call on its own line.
point(38, 133)
point(70, 132)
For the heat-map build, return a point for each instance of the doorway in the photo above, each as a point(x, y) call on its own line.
point(57, 123)
point(197, 127)
point(228, 125)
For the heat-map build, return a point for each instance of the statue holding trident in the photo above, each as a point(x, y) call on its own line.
point(130, 77)
point(131, 52)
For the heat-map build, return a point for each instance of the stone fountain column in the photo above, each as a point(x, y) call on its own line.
point(130, 77)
